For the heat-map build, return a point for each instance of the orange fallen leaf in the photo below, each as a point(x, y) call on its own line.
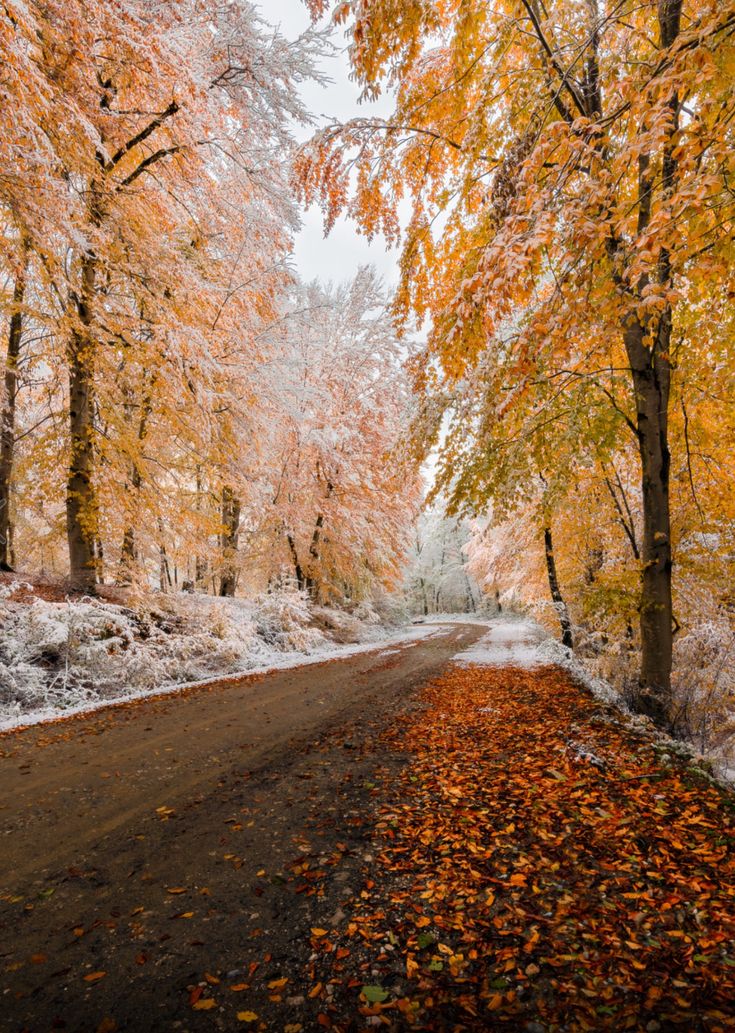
point(92, 977)
point(205, 1004)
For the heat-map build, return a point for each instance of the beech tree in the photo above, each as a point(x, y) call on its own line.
point(569, 166)
point(343, 497)
point(128, 144)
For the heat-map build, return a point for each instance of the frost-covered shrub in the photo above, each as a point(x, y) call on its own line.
point(339, 626)
point(55, 656)
point(283, 620)
point(59, 655)
point(704, 686)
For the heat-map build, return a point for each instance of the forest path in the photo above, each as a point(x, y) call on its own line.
point(101, 813)
point(479, 845)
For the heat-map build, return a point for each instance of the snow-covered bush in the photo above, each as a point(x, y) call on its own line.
point(62, 655)
point(283, 619)
point(704, 686)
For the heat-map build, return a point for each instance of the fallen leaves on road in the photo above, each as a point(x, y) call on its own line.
point(517, 881)
point(92, 977)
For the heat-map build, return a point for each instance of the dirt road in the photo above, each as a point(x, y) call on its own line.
point(191, 841)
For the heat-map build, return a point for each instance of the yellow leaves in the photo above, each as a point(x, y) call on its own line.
point(204, 1004)
point(318, 933)
point(247, 1016)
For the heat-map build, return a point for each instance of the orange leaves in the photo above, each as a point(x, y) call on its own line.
point(204, 1004)
point(591, 901)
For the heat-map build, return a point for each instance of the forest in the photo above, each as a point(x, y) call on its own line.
point(179, 411)
point(217, 461)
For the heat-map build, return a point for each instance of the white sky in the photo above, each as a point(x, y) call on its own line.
point(338, 256)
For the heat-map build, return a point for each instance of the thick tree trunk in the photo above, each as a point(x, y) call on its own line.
point(557, 597)
point(7, 420)
point(228, 541)
point(651, 377)
point(648, 349)
point(81, 507)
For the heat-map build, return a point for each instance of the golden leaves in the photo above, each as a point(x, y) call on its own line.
point(519, 879)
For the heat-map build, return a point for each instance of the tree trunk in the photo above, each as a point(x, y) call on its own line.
point(651, 377)
point(558, 599)
point(7, 420)
point(81, 508)
point(129, 549)
point(298, 570)
point(651, 372)
point(164, 575)
point(200, 563)
point(311, 583)
point(228, 541)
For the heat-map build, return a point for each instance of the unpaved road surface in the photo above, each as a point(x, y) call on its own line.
point(160, 853)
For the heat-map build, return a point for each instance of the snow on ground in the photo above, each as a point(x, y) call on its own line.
point(73, 656)
point(515, 641)
point(456, 618)
point(403, 638)
point(508, 643)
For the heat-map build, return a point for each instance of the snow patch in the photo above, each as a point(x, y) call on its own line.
point(508, 643)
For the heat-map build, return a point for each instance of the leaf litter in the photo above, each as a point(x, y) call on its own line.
point(539, 866)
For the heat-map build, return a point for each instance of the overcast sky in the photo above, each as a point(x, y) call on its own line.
point(338, 256)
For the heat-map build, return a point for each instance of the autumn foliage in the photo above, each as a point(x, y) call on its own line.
point(568, 172)
point(155, 402)
point(537, 860)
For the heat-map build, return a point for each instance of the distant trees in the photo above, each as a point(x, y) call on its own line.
point(438, 576)
point(570, 169)
point(343, 496)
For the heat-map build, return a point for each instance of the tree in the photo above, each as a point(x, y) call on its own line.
point(569, 168)
point(438, 580)
point(342, 497)
point(122, 168)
